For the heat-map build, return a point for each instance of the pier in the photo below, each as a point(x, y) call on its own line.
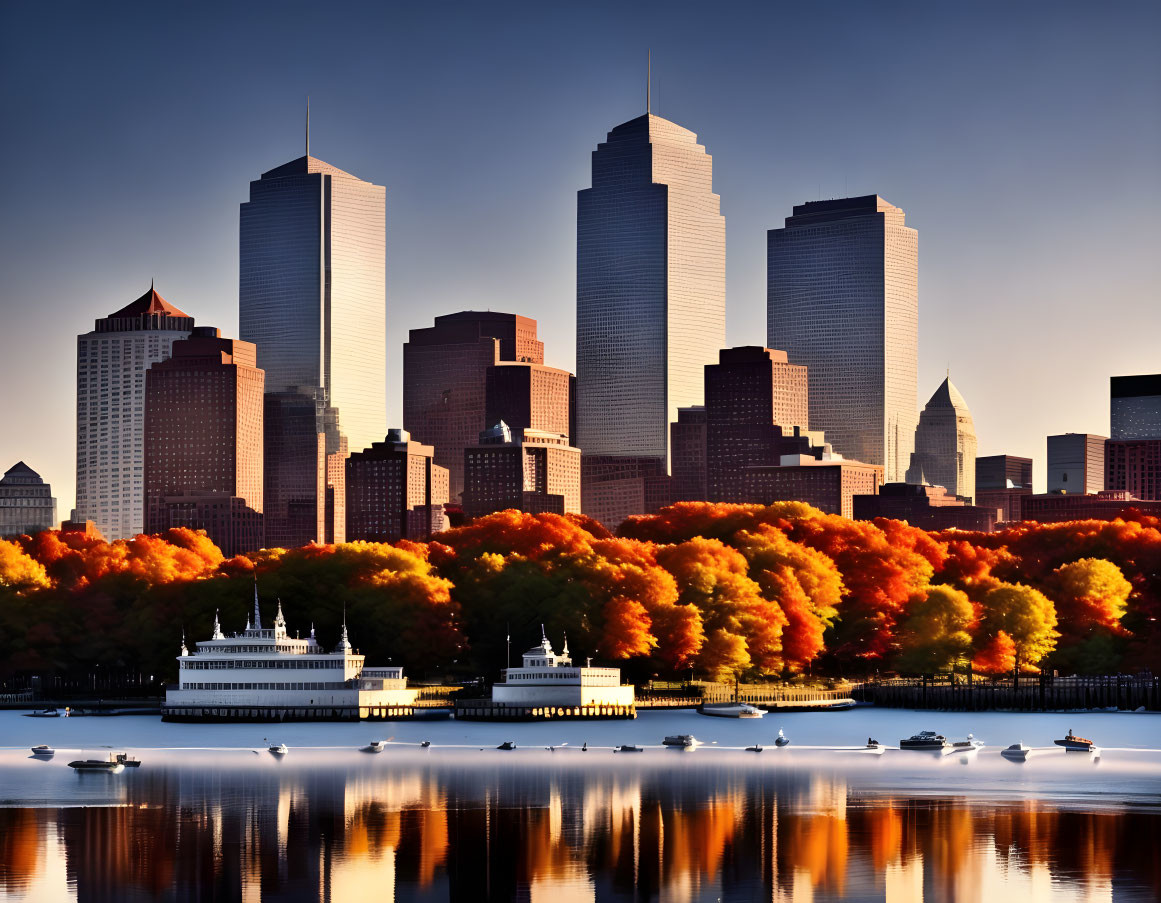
point(487, 710)
point(1034, 693)
point(772, 696)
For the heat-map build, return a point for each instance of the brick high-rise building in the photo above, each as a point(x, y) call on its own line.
point(613, 487)
point(203, 441)
point(1134, 466)
point(445, 371)
point(111, 365)
point(1076, 463)
point(529, 396)
point(753, 397)
point(687, 453)
point(1001, 481)
point(395, 491)
point(530, 470)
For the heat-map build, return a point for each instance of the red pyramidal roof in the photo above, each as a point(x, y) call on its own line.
point(149, 303)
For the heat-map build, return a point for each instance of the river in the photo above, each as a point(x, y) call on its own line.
point(210, 814)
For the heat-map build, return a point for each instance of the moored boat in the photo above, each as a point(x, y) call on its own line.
point(757, 747)
point(278, 749)
point(375, 746)
point(108, 765)
point(971, 744)
point(43, 751)
point(681, 741)
point(732, 710)
point(1017, 752)
point(507, 744)
point(43, 713)
point(1073, 743)
point(925, 740)
point(127, 760)
point(873, 748)
point(781, 740)
point(628, 747)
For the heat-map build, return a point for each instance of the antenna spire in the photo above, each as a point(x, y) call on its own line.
point(308, 125)
point(649, 84)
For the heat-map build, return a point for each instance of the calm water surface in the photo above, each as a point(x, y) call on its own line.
point(210, 815)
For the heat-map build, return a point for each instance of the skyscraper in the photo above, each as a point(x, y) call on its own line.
point(395, 491)
point(111, 365)
point(651, 288)
point(446, 383)
point(945, 444)
point(1135, 407)
point(203, 441)
point(312, 289)
point(843, 299)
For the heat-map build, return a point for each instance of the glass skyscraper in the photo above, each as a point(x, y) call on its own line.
point(312, 289)
point(651, 287)
point(842, 298)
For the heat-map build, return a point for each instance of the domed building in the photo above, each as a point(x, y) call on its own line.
point(945, 444)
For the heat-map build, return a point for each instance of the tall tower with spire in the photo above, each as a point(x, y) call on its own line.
point(312, 297)
point(651, 292)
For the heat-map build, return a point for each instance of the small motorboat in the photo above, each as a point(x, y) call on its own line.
point(507, 744)
point(43, 752)
point(628, 747)
point(1073, 743)
point(375, 746)
point(681, 741)
point(425, 744)
point(108, 765)
point(781, 740)
point(873, 748)
point(969, 745)
point(732, 710)
point(278, 749)
point(1017, 752)
point(927, 741)
point(43, 713)
point(127, 760)
point(757, 747)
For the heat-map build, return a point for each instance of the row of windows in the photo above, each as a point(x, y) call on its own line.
point(293, 663)
point(266, 686)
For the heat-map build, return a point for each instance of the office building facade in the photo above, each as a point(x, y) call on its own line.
point(1134, 466)
point(945, 444)
point(203, 441)
point(651, 252)
point(26, 502)
point(1135, 407)
point(1076, 463)
point(312, 289)
point(926, 507)
point(395, 491)
point(843, 300)
point(829, 485)
point(1001, 481)
point(1056, 507)
point(529, 470)
point(687, 452)
point(111, 365)
point(445, 381)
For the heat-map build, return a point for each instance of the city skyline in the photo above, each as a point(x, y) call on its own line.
point(1024, 331)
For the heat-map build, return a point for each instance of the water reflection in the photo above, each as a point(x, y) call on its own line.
point(429, 832)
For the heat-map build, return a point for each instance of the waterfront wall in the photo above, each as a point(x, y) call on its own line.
point(487, 710)
point(1030, 694)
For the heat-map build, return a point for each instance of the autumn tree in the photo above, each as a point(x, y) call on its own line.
point(1026, 616)
point(934, 632)
point(1091, 599)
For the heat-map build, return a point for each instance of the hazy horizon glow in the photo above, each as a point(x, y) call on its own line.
point(1021, 141)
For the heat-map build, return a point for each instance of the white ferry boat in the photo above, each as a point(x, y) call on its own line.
point(264, 674)
point(551, 686)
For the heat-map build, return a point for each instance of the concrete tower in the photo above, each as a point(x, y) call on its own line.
point(945, 444)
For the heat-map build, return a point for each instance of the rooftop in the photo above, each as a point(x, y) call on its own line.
point(149, 303)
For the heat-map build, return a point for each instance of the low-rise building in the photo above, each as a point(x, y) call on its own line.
point(1056, 507)
point(529, 470)
point(924, 506)
point(829, 484)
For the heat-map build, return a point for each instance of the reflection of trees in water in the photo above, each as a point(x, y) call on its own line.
point(683, 834)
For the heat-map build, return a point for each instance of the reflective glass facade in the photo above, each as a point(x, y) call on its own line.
point(651, 290)
point(1135, 407)
point(843, 299)
point(312, 289)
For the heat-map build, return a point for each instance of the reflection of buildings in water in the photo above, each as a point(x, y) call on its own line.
point(406, 832)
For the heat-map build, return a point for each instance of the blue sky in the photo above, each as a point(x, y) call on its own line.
point(1021, 139)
